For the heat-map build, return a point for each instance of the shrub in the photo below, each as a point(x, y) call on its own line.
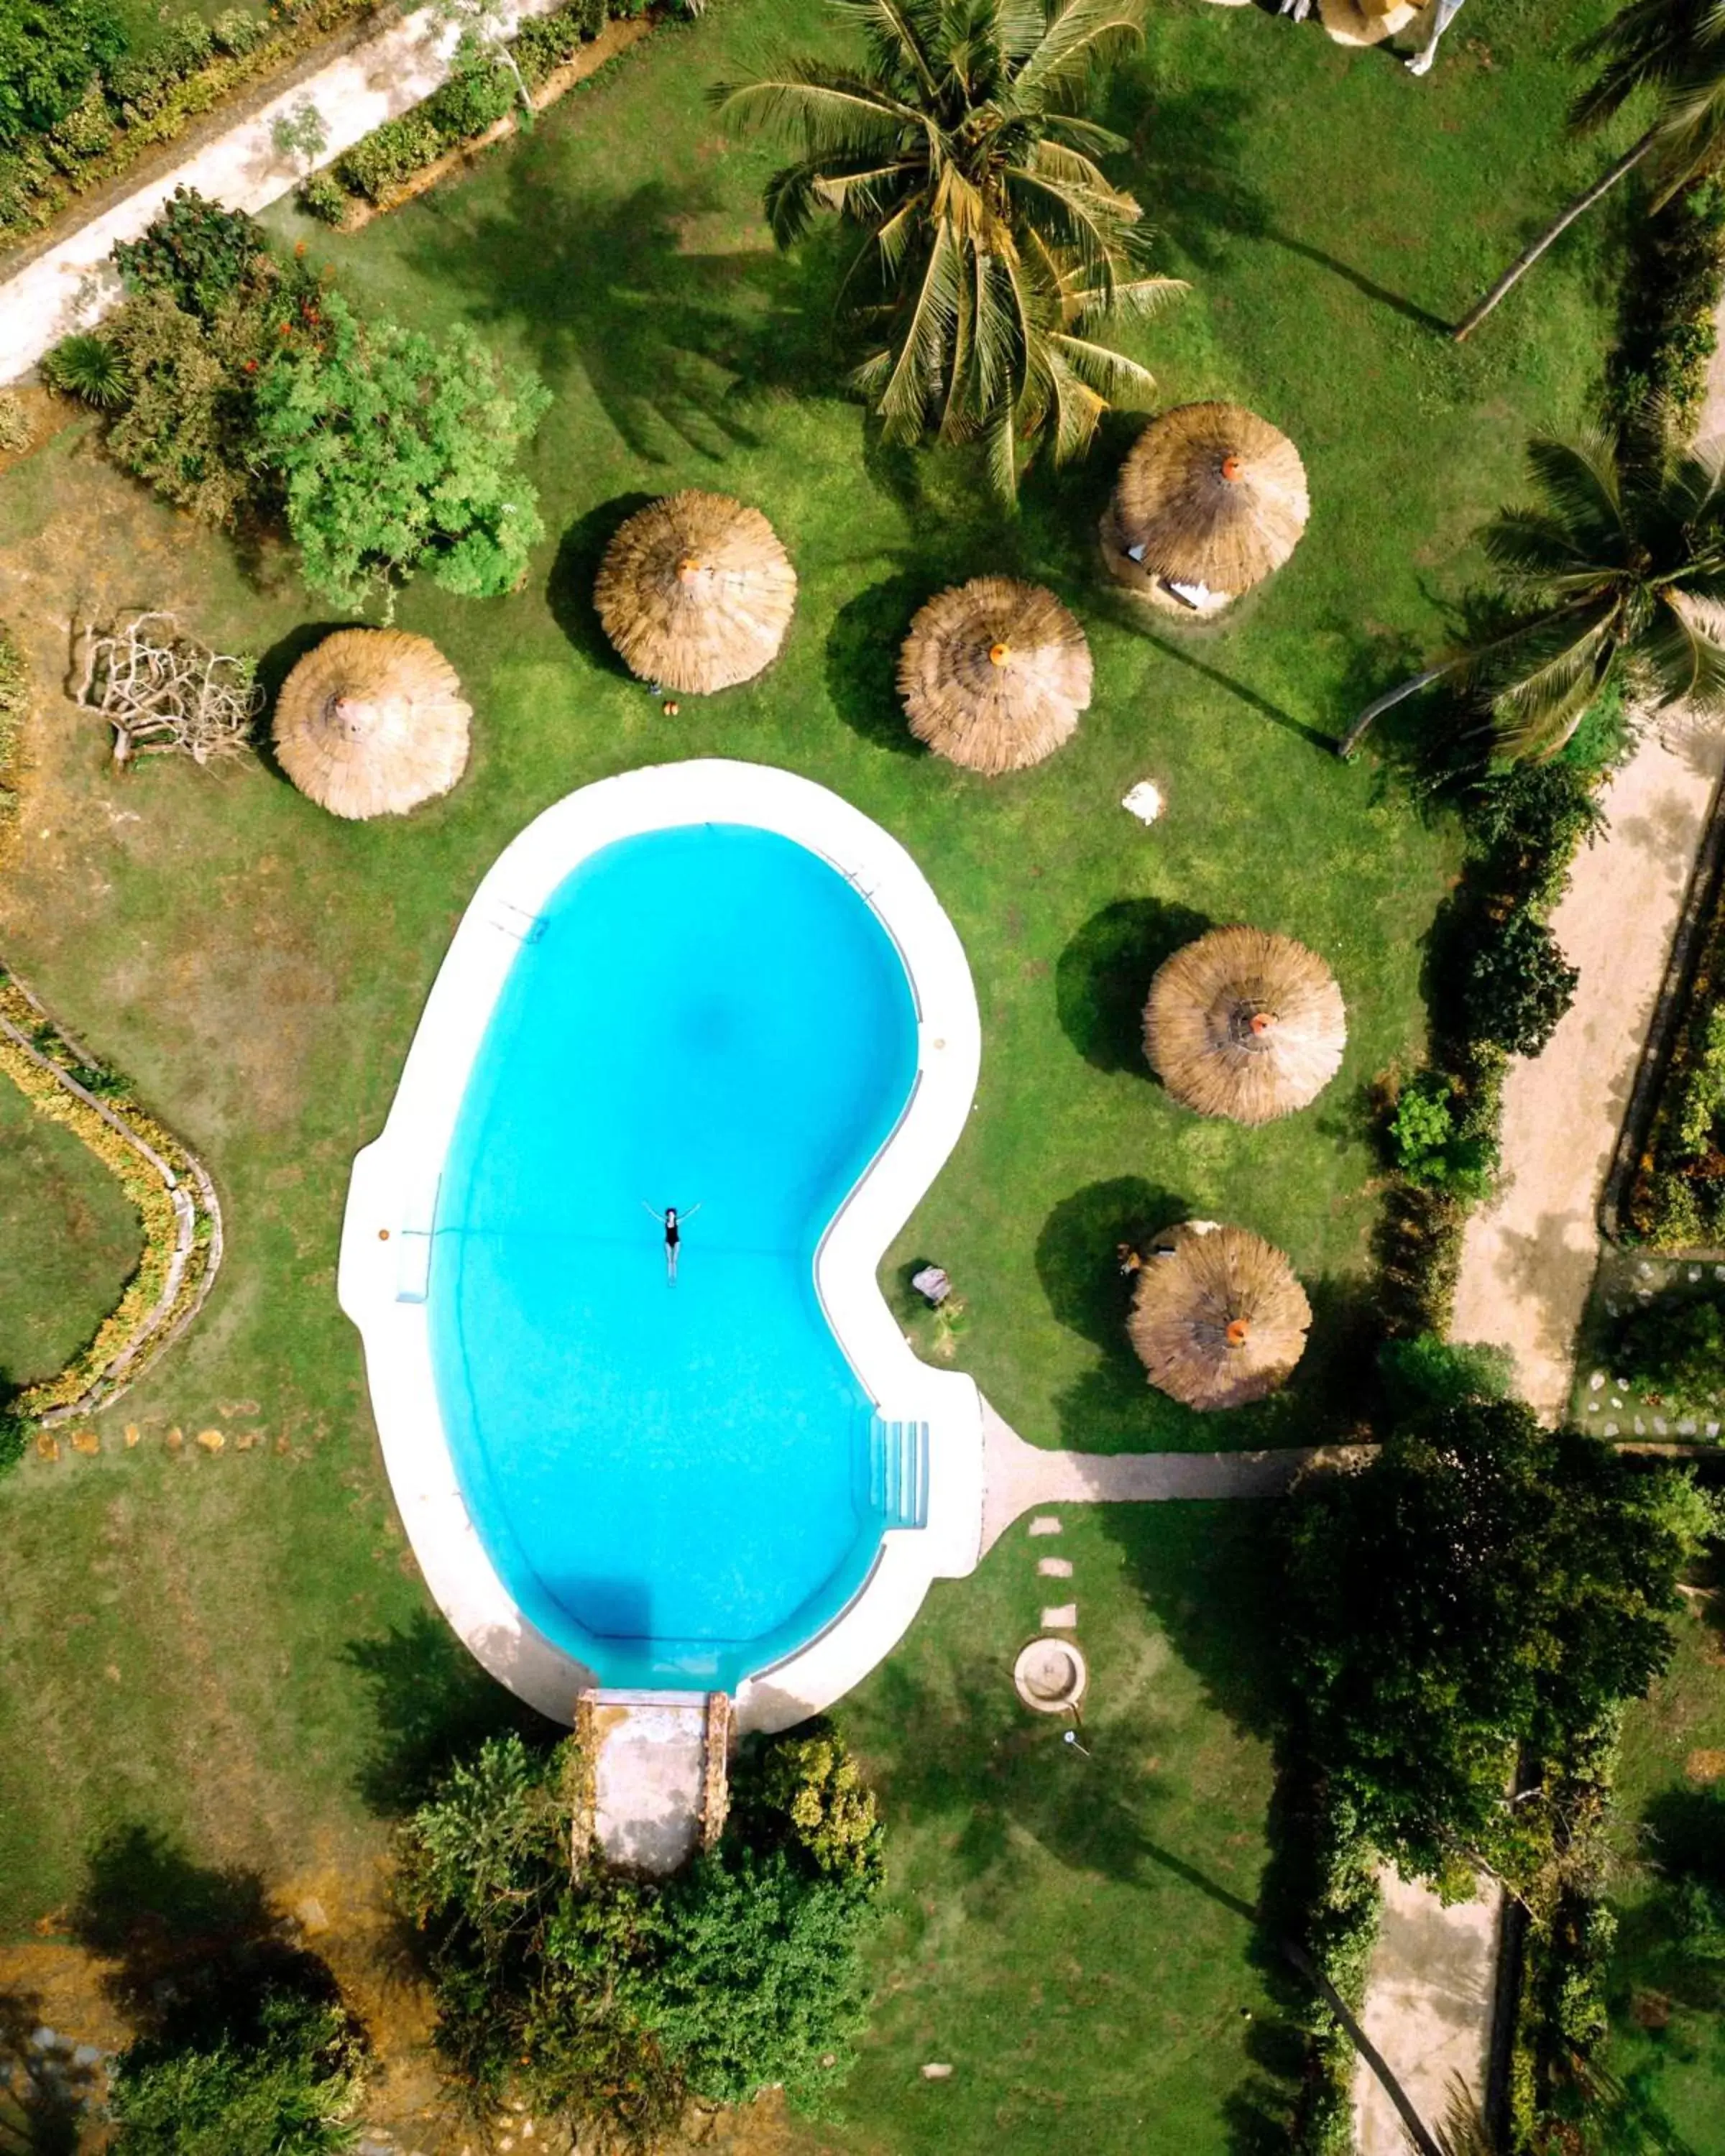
point(1674, 1345)
point(14, 1437)
point(323, 196)
point(89, 367)
point(15, 430)
point(1427, 1372)
point(290, 2090)
point(811, 1789)
point(472, 100)
point(143, 84)
point(197, 251)
point(51, 53)
point(1429, 1148)
point(389, 155)
point(397, 456)
point(86, 131)
point(1534, 817)
point(237, 34)
point(544, 42)
point(1519, 986)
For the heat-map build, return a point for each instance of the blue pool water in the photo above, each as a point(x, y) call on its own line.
point(674, 1482)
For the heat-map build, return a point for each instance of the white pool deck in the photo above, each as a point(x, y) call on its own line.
point(386, 1237)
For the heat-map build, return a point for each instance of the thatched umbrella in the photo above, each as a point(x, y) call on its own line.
point(1245, 1024)
point(1365, 21)
point(994, 673)
point(1210, 499)
point(697, 592)
point(371, 722)
point(1218, 1317)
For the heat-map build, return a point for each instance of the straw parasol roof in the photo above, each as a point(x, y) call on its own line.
point(1245, 1024)
point(994, 673)
point(1210, 495)
point(1365, 21)
point(371, 722)
point(1218, 1317)
point(697, 592)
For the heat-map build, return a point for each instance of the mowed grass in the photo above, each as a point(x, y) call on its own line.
point(1667, 2005)
point(258, 967)
point(70, 1240)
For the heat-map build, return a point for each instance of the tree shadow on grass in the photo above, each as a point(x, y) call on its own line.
point(569, 588)
point(435, 1704)
point(191, 1947)
point(1103, 976)
point(673, 342)
point(44, 2097)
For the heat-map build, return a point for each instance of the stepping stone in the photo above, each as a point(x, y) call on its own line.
point(1641, 1427)
point(1712, 1430)
point(47, 1445)
point(1044, 1523)
point(1719, 1272)
point(86, 2055)
point(1695, 1272)
point(936, 2070)
point(1686, 1427)
point(1054, 1567)
point(211, 1440)
point(1593, 1407)
point(1064, 1618)
point(175, 1439)
point(1659, 1425)
point(132, 1435)
point(86, 1441)
point(1616, 1406)
point(1645, 1269)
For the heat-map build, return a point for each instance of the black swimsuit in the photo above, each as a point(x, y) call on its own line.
point(673, 1234)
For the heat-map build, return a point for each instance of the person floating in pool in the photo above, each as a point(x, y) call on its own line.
point(671, 1221)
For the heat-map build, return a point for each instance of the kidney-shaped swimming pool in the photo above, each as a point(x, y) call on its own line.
point(672, 1483)
point(672, 1477)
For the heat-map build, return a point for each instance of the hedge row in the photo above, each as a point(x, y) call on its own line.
point(14, 701)
point(1677, 1197)
point(154, 97)
point(1676, 281)
point(466, 106)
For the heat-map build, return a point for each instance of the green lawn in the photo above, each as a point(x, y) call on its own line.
point(259, 966)
point(70, 1240)
point(1668, 2009)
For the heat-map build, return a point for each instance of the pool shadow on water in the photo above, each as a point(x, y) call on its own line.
point(1103, 976)
point(435, 1704)
point(612, 1608)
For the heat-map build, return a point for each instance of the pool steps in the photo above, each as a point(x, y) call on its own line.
point(898, 1472)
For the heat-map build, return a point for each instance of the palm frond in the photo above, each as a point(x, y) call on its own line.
point(1580, 478)
point(894, 33)
point(1684, 651)
point(1557, 669)
point(1086, 135)
point(1123, 381)
point(827, 114)
point(1083, 33)
point(925, 344)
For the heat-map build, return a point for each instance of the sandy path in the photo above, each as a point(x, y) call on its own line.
point(1528, 1259)
point(64, 287)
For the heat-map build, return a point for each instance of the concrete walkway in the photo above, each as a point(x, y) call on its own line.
point(1018, 1478)
point(68, 286)
point(1529, 1258)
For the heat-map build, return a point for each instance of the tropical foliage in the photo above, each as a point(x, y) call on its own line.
point(51, 51)
point(612, 2001)
point(1485, 1585)
point(994, 246)
point(1614, 575)
point(287, 2085)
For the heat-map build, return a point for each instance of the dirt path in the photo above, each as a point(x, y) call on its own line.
point(1529, 1258)
point(63, 288)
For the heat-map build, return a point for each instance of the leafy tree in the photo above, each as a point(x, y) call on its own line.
point(396, 455)
point(992, 246)
point(1674, 49)
point(610, 2000)
point(302, 135)
point(1612, 572)
point(51, 51)
point(289, 2088)
point(1427, 1372)
point(1485, 1585)
point(1518, 985)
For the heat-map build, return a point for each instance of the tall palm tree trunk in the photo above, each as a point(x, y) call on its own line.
point(1356, 732)
point(1524, 261)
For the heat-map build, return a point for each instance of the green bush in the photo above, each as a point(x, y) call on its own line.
point(397, 456)
point(1519, 986)
point(1427, 1372)
point(1676, 278)
point(198, 253)
point(389, 155)
point(289, 2089)
point(323, 196)
point(1428, 1147)
point(89, 367)
point(14, 1437)
point(51, 53)
point(236, 32)
point(468, 103)
point(86, 131)
point(544, 42)
point(1672, 1345)
point(1534, 817)
point(810, 1790)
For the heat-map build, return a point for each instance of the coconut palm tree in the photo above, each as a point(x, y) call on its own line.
point(1676, 48)
point(992, 246)
point(1618, 571)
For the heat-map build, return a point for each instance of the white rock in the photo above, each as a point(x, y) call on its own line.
point(1611, 1430)
point(1144, 801)
point(1596, 1382)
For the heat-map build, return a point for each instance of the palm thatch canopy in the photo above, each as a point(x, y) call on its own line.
point(1245, 1024)
point(994, 673)
point(1218, 1317)
point(1365, 21)
point(1210, 499)
point(371, 722)
point(697, 592)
